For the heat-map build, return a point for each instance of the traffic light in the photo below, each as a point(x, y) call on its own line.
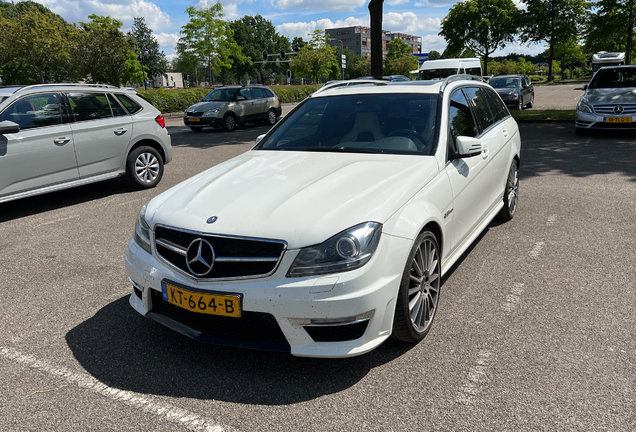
point(282, 54)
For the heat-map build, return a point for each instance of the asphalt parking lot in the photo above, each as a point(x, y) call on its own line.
point(536, 328)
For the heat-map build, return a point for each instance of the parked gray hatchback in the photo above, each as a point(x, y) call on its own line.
point(230, 106)
point(515, 90)
point(56, 136)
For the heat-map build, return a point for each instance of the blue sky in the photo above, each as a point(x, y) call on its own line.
point(290, 17)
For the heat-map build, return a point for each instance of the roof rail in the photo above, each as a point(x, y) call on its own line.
point(453, 78)
point(66, 85)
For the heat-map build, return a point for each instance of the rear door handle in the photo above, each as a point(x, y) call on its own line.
point(120, 131)
point(61, 140)
point(505, 132)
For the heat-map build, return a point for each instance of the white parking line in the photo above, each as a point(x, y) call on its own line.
point(169, 412)
point(513, 298)
point(57, 220)
point(551, 220)
point(475, 378)
point(536, 250)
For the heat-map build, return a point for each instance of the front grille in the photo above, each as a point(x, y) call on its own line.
point(339, 333)
point(608, 109)
point(252, 326)
point(194, 113)
point(234, 257)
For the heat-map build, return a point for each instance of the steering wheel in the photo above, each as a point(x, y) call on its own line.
point(413, 135)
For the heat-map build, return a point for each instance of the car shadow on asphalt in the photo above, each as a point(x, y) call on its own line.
point(210, 137)
point(124, 350)
point(554, 148)
point(65, 198)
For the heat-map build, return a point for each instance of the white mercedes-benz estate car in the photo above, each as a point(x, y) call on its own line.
point(332, 234)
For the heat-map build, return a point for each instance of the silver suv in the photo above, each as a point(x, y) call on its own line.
point(230, 106)
point(57, 136)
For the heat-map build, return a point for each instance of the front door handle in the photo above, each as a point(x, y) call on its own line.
point(505, 132)
point(61, 140)
point(120, 131)
point(484, 152)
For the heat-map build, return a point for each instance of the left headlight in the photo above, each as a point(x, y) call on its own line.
point(142, 231)
point(345, 251)
point(211, 112)
point(585, 107)
point(514, 95)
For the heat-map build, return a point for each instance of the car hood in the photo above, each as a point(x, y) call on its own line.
point(506, 90)
point(611, 95)
point(204, 106)
point(300, 197)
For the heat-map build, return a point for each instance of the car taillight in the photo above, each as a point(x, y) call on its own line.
point(278, 101)
point(160, 121)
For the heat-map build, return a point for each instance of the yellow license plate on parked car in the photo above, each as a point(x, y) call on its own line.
point(195, 119)
point(213, 304)
point(618, 119)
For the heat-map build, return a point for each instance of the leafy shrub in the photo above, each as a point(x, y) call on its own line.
point(177, 100)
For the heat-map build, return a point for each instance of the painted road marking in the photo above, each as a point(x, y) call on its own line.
point(475, 379)
point(551, 220)
point(513, 298)
point(57, 220)
point(169, 412)
point(536, 250)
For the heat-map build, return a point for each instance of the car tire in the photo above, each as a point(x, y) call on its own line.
point(531, 103)
point(196, 129)
point(520, 104)
point(511, 193)
point(144, 168)
point(271, 117)
point(229, 123)
point(418, 295)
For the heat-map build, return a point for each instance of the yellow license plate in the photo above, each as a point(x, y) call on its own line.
point(212, 304)
point(618, 119)
point(194, 119)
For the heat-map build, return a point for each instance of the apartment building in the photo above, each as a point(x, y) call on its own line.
point(358, 39)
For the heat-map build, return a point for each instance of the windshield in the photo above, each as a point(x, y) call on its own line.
point(504, 82)
point(614, 78)
point(385, 123)
point(430, 74)
point(222, 94)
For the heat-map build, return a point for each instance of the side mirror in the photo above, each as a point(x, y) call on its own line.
point(240, 98)
point(259, 138)
point(467, 147)
point(584, 87)
point(8, 127)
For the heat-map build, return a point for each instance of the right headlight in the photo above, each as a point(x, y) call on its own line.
point(142, 231)
point(211, 112)
point(345, 251)
point(585, 107)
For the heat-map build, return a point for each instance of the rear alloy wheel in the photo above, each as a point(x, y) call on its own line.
point(271, 117)
point(520, 104)
point(511, 193)
point(144, 168)
point(419, 290)
point(531, 103)
point(196, 129)
point(229, 123)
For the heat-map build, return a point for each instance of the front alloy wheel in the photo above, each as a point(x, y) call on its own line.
point(144, 167)
point(419, 291)
point(271, 117)
point(229, 123)
point(511, 193)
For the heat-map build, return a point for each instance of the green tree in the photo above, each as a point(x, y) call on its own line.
point(399, 58)
point(100, 50)
point(133, 72)
point(554, 22)
point(36, 38)
point(147, 46)
point(397, 48)
point(434, 55)
point(482, 26)
point(526, 67)
point(255, 34)
point(611, 27)
point(208, 37)
point(316, 58)
point(361, 68)
point(297, 44)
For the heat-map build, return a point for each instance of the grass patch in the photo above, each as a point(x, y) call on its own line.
point(543, 115)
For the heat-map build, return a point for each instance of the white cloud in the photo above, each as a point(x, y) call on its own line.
point(519, 48)
point(396, 2)
point(170, 57)
point(433, 42)
point(436, 3)
point(330, 5)
point(302, 29)
point(123, 10)
point(167, 40)
point(408, 22)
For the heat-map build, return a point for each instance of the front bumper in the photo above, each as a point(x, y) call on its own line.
point(203, 121)
point(298, 306)
point(592, 121)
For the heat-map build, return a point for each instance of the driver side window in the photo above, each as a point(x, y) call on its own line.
point(460, 120)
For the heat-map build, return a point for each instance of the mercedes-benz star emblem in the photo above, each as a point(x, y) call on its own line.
point(618, 109)
point(200, 257)
point(212, 219)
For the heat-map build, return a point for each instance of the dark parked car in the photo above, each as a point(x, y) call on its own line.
point(515, 90)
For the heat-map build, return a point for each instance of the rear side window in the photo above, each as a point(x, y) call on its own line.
point(460, 120)
point(245, 93)
point(268, 93)
point(89, 106)
point(474, 71)
point(498, 108)
point(118, 111)
point(131, 106)
point(477, 98)
point(258, 93)
point(34, 111)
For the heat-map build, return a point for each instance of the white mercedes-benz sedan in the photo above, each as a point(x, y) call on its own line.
point(333, 233)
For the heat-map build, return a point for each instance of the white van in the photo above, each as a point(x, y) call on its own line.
point(440, 69)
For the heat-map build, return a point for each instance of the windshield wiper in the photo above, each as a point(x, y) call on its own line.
point(340, 150)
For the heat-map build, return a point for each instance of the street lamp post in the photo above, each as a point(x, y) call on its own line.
point(341, 52)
